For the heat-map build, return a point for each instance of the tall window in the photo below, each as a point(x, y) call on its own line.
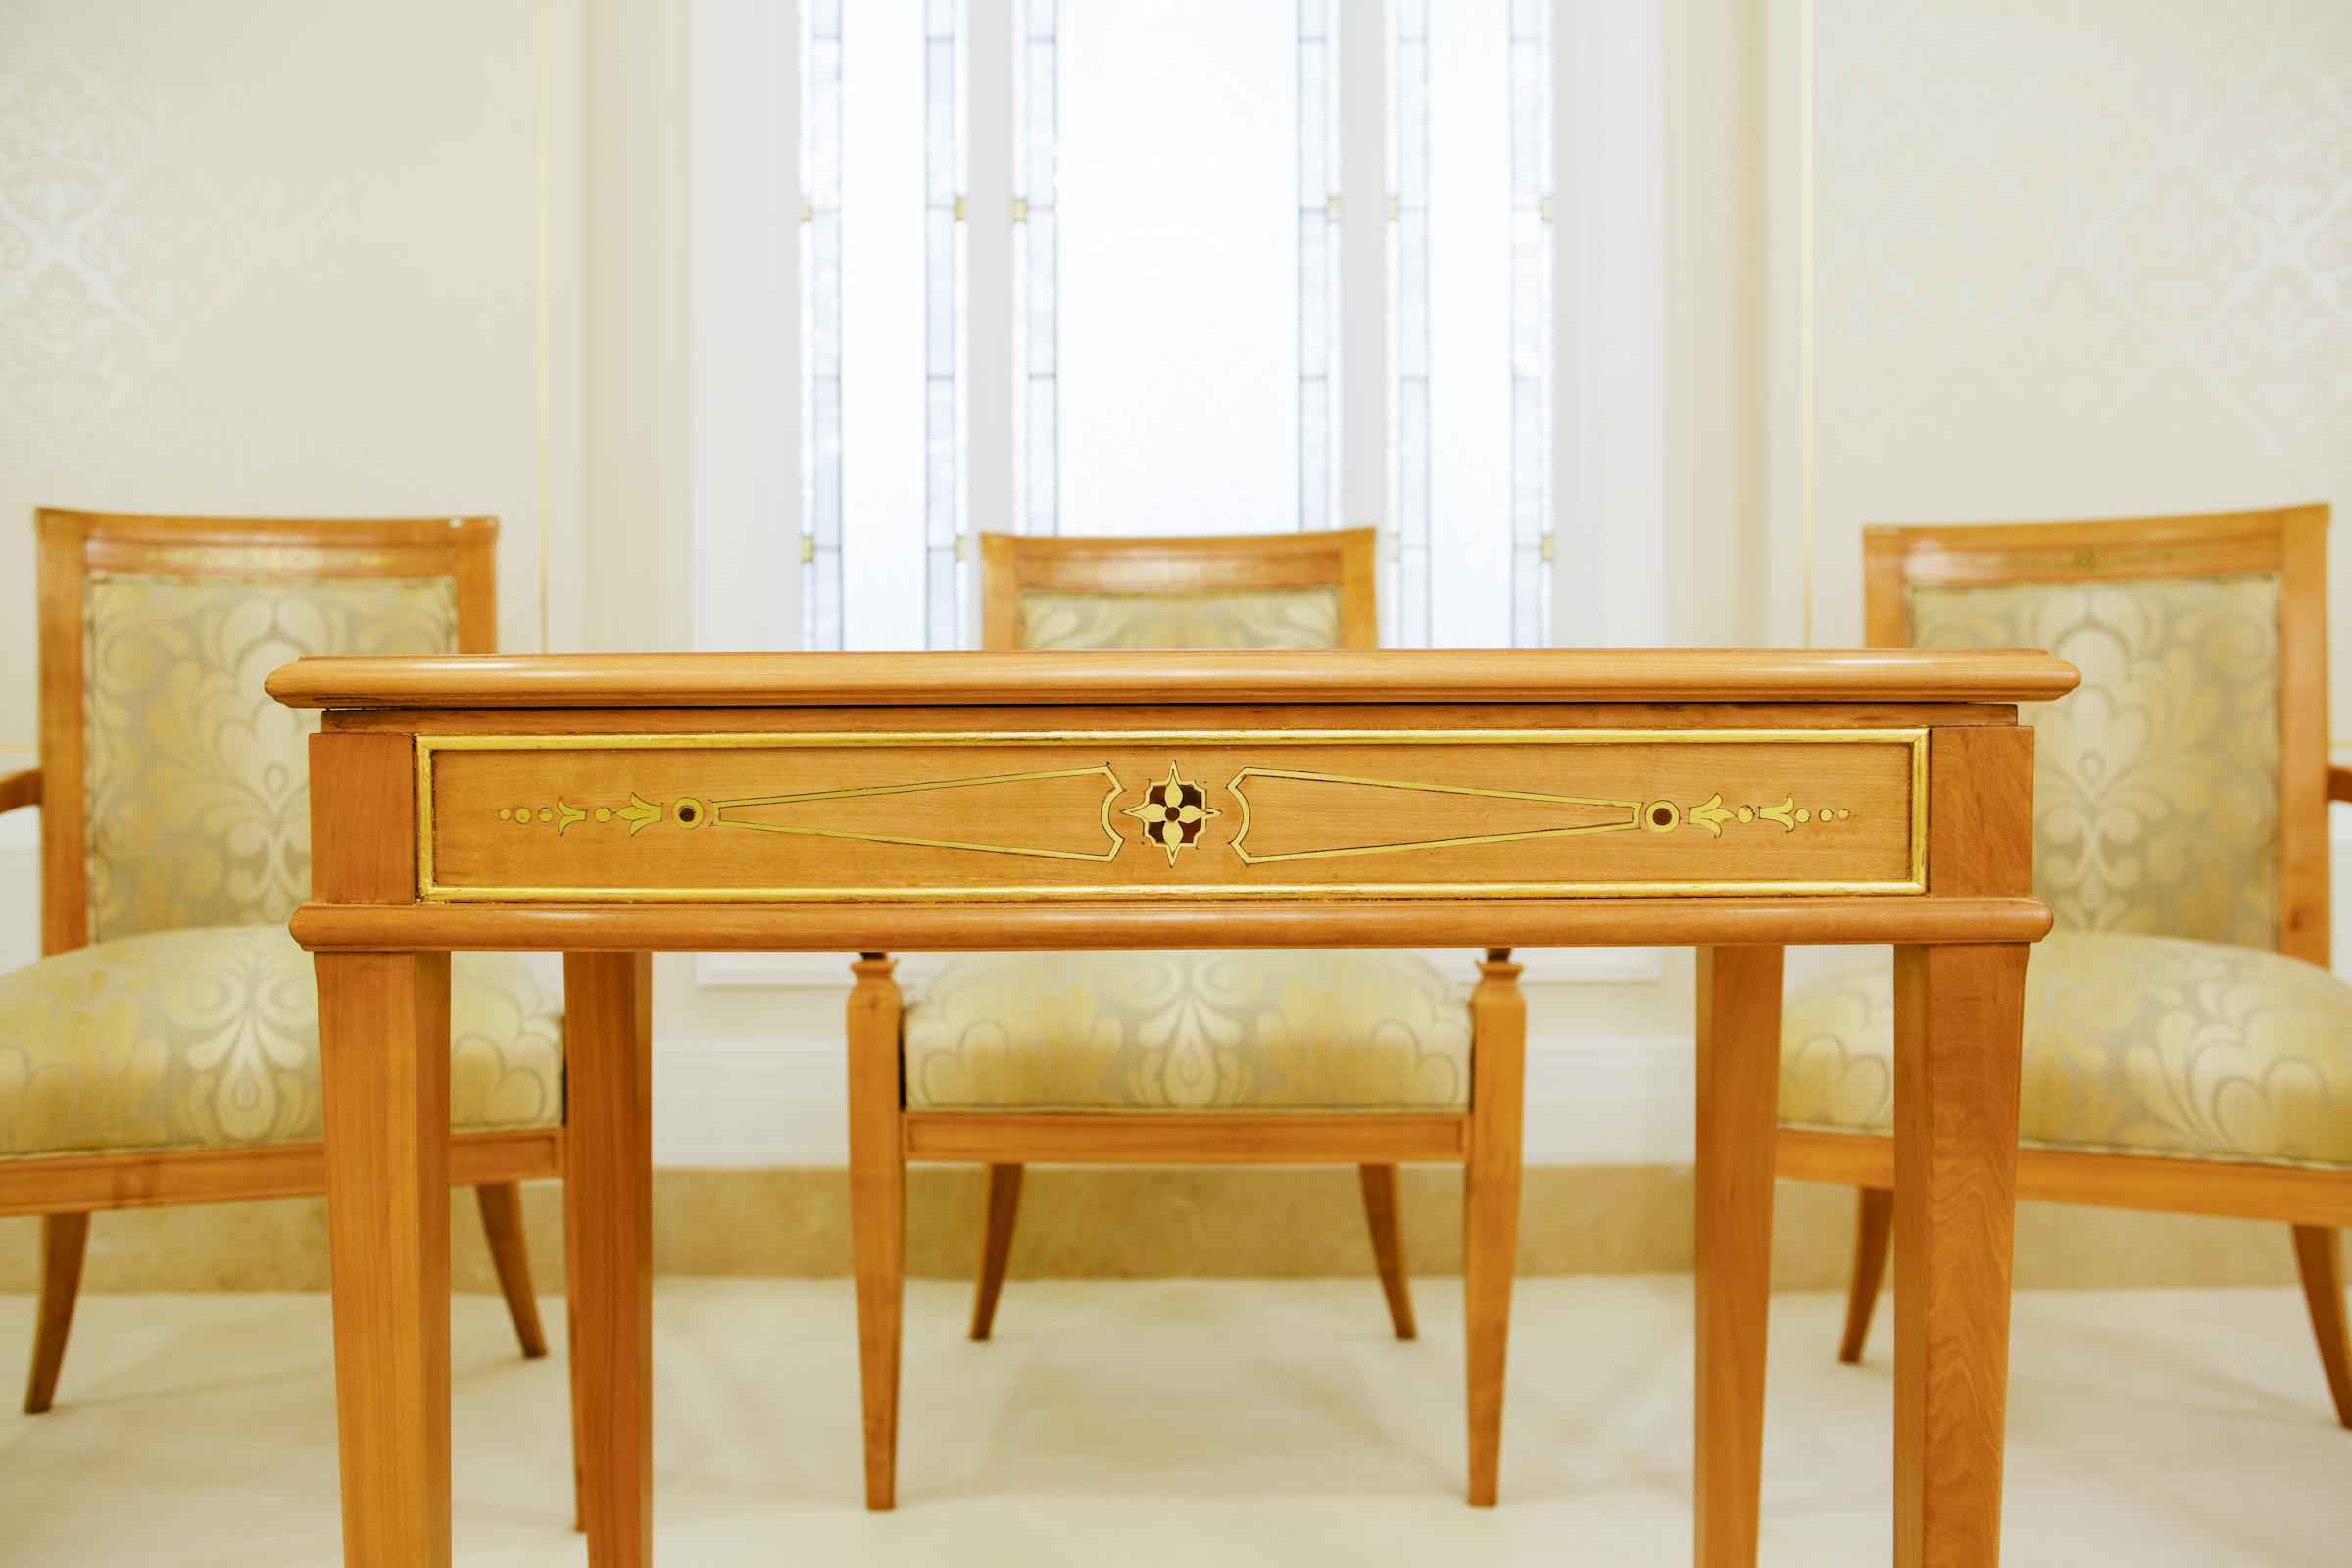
point(1173, 295)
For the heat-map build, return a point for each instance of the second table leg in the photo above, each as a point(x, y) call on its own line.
point(1959, 1017)
point(1739, 1115)
point(607, 1189)
point(383, 1057)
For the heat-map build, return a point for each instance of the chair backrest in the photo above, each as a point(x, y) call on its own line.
point(174, 791)
point(2182, 789)
point(1278, 590)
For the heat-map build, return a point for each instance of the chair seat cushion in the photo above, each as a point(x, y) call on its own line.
point(2135, 1045)
point(1274, 1030)
point(209, 1039)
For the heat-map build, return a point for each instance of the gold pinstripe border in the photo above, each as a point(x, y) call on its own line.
point(428, 746)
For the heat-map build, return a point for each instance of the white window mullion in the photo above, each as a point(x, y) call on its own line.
point(1319, 235)
point(1036, 328)
point(1409, 318)
point(943, 316)
point(1534, 361)
point(820, 324)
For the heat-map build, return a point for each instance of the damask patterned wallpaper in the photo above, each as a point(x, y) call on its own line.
point(265, 256)
point(2080, 257)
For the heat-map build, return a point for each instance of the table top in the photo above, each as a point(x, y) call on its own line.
point(1521, 675)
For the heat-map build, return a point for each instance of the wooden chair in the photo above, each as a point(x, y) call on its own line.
point(164, 1050)
point(2186, 1048)
point(1019, 1058)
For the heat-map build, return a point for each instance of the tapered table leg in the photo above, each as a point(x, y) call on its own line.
point(1738, 1100)
point(383, 1039)
point(1958, 1024)
point(608, 1070)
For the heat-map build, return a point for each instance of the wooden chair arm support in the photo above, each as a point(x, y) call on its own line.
point(20, 789)
point(2339, 783)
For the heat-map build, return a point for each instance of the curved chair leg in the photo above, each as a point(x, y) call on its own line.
point(502, 1223)
point(63, 1237)
point(2323, 1271)
point(996, 1244)
point(1874, 1224)
point(1387, 1243)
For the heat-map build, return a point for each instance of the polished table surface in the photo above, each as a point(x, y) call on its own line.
point(612, 806)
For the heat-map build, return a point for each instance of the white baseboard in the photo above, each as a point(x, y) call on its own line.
point(1590, 1101)
point(823, 970)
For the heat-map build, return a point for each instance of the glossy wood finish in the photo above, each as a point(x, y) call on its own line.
point(877, 1213)
point(1244, 677)
point(1463, 814)
point(74, 545)
point(1185, 1137)
point(2283, 1193)
point(999, 1213)
point(1959, 1014)
point(1874, 1227)
point(502, 1225)
point(2322, 1267)
point(1327, 923)
point(383, 1028)
point(1257, 562)
point(23, 788)
point(2289, 542)
point(1491, 1205)
point(608, 1071)
point(1379, 1184)
point(65, 1238)
point(86, 1183)
point(1738, 1091)
point(1968, 909)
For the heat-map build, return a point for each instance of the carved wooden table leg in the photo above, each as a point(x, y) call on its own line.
point(383, 1036)
point(1739, 1096)
point(608, 1046)
point(1959, 1015)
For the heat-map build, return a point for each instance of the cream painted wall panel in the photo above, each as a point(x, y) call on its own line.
point(2078, 258)
point(267, 256)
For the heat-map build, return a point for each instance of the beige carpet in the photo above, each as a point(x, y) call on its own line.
point(1187, 1422)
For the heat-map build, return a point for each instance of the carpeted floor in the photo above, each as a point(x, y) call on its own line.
point(1187, 1422)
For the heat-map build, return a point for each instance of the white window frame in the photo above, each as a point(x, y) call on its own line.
point(1608, 511)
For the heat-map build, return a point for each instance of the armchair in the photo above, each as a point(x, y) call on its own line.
point(2186, 1047)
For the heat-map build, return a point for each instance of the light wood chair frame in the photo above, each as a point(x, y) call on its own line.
point(1485, 1140)
point(64, 1190)
point(2291, 542)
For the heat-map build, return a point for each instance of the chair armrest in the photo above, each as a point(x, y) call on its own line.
point(2340, 784)
point(20, 789)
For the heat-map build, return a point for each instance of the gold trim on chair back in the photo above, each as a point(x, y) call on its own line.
point(176, 792)
point(1297, 590)
point(2182, 790)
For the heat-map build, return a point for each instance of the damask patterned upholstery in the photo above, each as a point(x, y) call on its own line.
point(1189, 1031)
point(2156, 780)
point(209, 1039)
point(2135, 1045)
point(198, 783)
point(1304, 617)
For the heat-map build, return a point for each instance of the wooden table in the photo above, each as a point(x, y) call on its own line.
point(610, 805)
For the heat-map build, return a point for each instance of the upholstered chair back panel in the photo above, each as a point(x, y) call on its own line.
point(197, 783)
point(2156, 781)
point(1300, 617)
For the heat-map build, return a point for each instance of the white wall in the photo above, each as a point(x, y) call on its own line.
point(2077, 259)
